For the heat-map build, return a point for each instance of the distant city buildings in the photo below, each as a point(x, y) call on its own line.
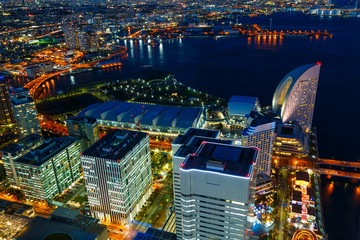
point(49, 169)
point(294, 98)
point(25, 114)
point(261, 134)
point(84, 40)
point(217, 185)
point(6, 114)
point(118, 177)
point(85, 128)
point(182, 146)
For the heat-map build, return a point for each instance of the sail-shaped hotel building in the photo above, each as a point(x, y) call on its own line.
point(294, 98)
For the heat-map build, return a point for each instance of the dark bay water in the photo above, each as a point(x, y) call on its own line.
point(254, 67)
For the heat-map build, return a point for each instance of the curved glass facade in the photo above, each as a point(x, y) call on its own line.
point(294, 98)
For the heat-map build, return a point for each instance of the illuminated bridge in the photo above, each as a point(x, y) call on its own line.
point(34, 85)
point(339, 168)
point(323, 166)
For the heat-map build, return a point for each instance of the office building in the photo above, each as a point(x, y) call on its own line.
point(240, 107)
point(85, 128)
point(49, 169)
point(294, 98)
point(261, 134)
point(6, 114)
point(14, 151)
point(117, 172)
point(19, 92)
point(26, 116)
point(64, 224)
point(217, 186)
point(38, 69)
point(291, 140)
point(182, 146)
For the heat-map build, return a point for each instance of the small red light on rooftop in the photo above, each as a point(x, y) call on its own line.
point(319, 63)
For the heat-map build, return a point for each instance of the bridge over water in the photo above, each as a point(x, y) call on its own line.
point(323, 166)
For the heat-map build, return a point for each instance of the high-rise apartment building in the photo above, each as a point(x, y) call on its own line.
point(70, 34)
point(294, 98)
point(85, 128)
point(49, 169)
point(261, 134)
point(6, 114)
point(217, 185)
point(14, 151)
point(26, 116)
point(182, 146)
point(117, 172)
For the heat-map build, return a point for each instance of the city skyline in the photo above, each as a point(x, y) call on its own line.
point(178, 120)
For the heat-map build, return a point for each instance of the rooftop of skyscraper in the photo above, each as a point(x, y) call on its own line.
point(89, 120)
point(63, 224)
point(24, 143)
point(115, 145)
point(191, 132)
point(46, 151)
point(256, 120)
point(222, 158)
point(195, 142)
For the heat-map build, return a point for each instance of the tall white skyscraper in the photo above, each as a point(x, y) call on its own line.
point(261, 134)
point(117, 172)
point(25, 114)
point(294, 98)
point(217, 186)
point(182, 146)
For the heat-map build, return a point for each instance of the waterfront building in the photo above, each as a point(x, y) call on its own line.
point(85, 128)
point(294, 98)
point(241, 106)
point(182, 146)
point(154, 119)
point(14, 151)
point(65, 224)
point(49, 169)
point(6, 114)
point(261, 134)
point(291, 140)
point(118, 177)
point(36, 70)
point(212, 208)
point(26, 116)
